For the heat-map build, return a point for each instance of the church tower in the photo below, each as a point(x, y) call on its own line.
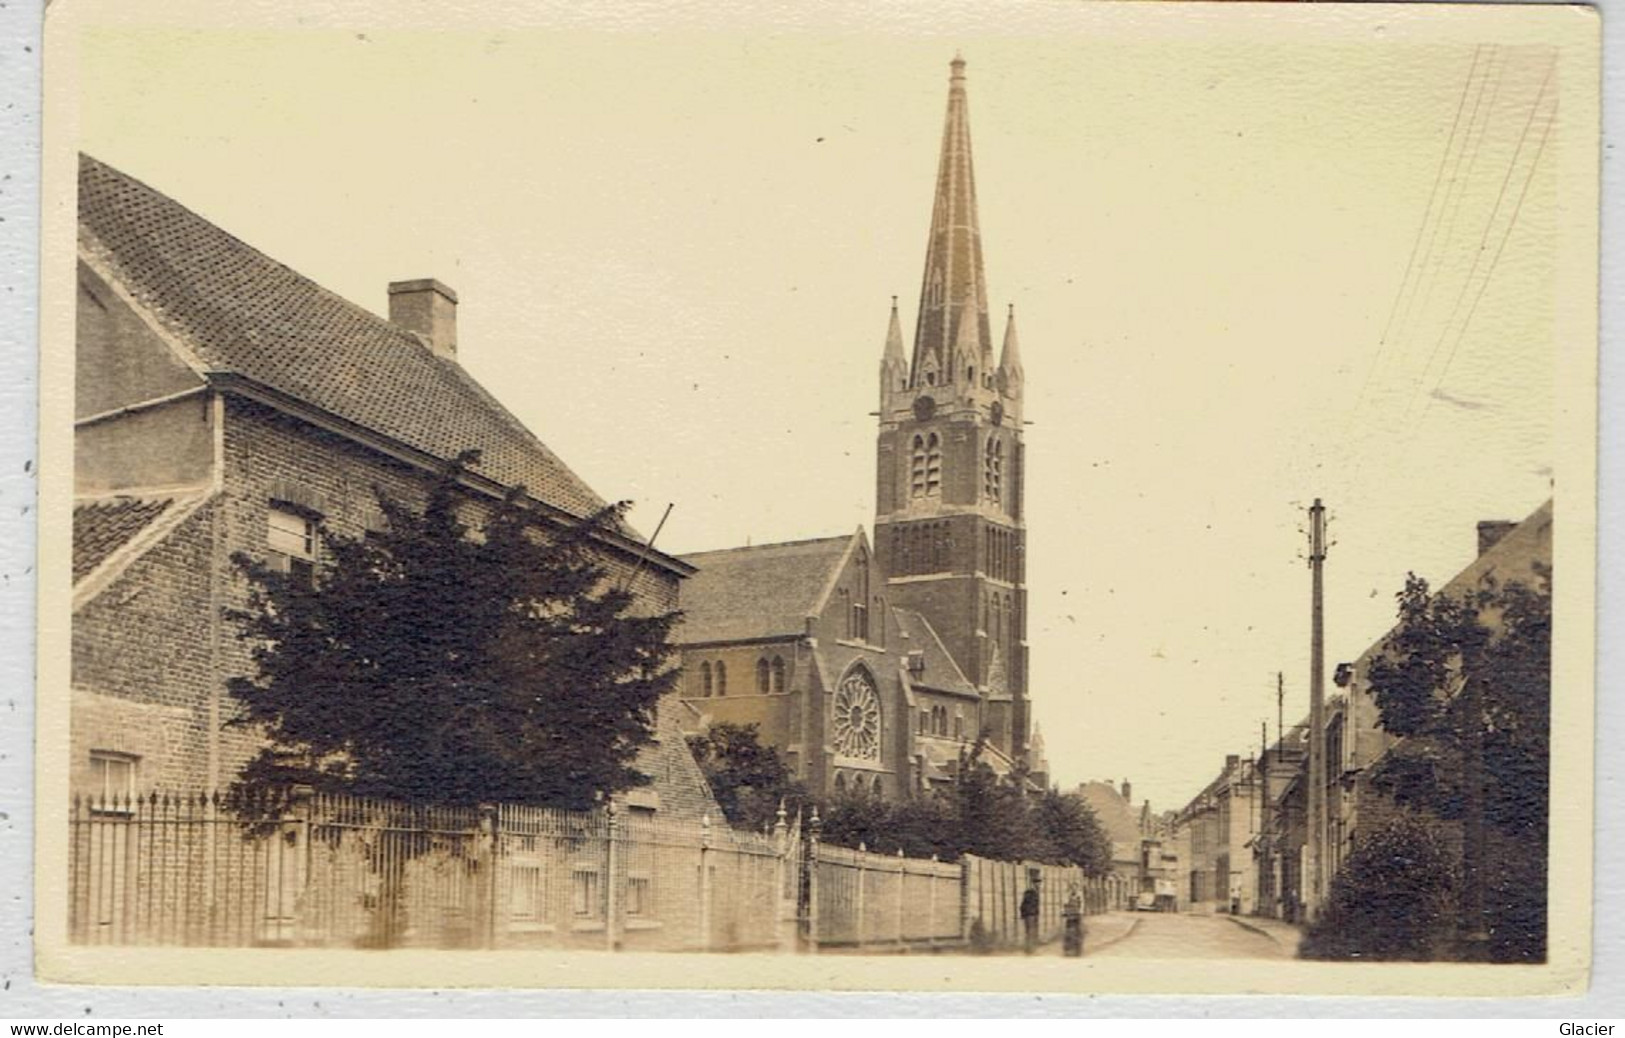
point(949, 528)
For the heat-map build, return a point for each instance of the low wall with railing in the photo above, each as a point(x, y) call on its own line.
point(337, 871)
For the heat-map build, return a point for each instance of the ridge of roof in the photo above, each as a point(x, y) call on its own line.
point(245, 313)
point(760, 548)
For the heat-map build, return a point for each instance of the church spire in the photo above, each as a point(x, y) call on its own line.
point(1010, 359)
point(954, 288)
point(893, 366)
point(894, 338)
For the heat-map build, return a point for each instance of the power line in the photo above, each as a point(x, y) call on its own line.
point(1438, 177)
point(1523, 193)
point(1483, 242)
point(1476, 146)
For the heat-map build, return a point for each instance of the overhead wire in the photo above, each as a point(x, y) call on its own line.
point(1421, 230)
point(1476, 146)
point(1506, 234)
point(1483, 244)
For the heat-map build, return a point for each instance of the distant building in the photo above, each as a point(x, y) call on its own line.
point(1219, 826)
point(1145, 848)
point(224, 404)
point(887, 663)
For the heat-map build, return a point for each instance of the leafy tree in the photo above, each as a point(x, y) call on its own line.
point(981, 814)
point(1395, 898)
point(1073, 833)
point(1466, 681)
point(428, 664)
point(749, 780)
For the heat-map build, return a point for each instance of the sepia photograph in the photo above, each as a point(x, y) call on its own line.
point(1033, 498)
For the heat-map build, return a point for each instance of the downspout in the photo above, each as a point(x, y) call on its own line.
point(217, 536)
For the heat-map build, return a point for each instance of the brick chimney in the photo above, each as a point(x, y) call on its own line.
point(1490, 532)
point(428, 309)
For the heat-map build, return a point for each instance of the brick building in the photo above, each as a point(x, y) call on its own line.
point(920, 642)
point(224, 404)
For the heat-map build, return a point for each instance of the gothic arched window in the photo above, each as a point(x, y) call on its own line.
point(875, 787)
point(993, 469)
point(857, 717)
point(705, 680)
point(762, 676)
point(778, 674)
point(916, 483)
point(933, 465)
point(840, 783)
point(721, 673)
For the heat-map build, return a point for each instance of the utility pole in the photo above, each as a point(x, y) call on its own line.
point(1266, 868)
point(1280, 709)
point(1316, 837)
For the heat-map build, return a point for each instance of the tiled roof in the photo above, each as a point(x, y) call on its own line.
point(764, 591)
point(941, 672)
point(243, 313)
point(1116, 815)
point(101, 527)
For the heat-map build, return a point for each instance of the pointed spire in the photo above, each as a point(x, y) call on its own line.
point(1010, 360)
point(894, 338)
point(953, 291)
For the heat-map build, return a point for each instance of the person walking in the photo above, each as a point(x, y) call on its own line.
point(1029, 915)
point(1072, 922)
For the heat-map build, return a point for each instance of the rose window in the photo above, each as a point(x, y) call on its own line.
point(857, 719)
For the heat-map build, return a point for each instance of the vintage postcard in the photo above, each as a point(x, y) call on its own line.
point(1040, 497)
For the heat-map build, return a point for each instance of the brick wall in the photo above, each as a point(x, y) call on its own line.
point(150, 652)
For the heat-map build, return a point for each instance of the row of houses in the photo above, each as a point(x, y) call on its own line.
point(1246, 834)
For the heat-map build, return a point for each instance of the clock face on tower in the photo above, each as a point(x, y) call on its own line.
point(924, 408)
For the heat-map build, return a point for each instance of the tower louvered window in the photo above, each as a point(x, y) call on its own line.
point(916, 484)
point(933, 466)
point(993, 470)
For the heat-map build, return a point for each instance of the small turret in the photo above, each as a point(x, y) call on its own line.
point(893, 365)
point(1011, 377)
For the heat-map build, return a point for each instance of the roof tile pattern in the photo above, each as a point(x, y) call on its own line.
point(763, 591)
point(101, 527)
point(941, 672)
point(243, 313)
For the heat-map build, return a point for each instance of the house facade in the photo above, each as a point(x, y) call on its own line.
point(225, 404)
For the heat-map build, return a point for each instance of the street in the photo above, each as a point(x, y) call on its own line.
point(1182, 936)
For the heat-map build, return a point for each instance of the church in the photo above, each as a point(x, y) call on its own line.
point(872, 666)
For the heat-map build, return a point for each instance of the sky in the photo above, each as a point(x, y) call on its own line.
point(1251, 265)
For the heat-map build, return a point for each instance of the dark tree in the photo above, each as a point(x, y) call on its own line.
point(427, 664)
point(1466, 681)
point(1393, 899)
point(983, 814)
point(749, 780)
point(1073, 833)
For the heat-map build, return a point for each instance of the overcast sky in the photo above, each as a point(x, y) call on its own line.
point(676, 249)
